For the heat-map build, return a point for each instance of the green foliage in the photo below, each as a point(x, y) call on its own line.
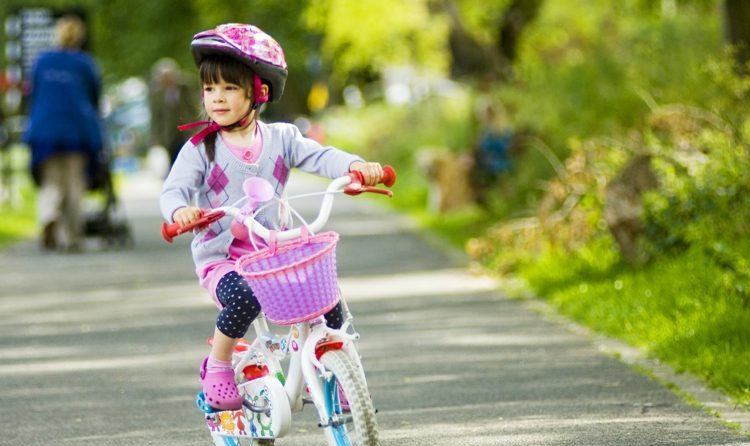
point(370, 35)
point(704, 199)
point(164, 29)
point(581, 75)
point(481, 18)
point(655, 84)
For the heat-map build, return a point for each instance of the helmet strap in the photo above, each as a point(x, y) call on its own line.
point(242, 123)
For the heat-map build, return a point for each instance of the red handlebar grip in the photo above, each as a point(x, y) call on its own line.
point(169, 231)
point(389, 176)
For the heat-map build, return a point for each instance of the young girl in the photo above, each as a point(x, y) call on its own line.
point(241, 67)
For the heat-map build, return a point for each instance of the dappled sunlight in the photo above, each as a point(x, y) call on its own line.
point(430, 379)
point(499, 339)
point(164, 296)
point(422, 283)
point(102, 310)
point(24, 353)
point(76, 364)
point(511, 430)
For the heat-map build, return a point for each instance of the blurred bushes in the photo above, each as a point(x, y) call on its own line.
point(655, 87)
point(396, 135)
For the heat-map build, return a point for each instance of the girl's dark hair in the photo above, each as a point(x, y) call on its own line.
point(216, 68)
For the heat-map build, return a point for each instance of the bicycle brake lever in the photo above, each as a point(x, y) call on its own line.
point(356, 187)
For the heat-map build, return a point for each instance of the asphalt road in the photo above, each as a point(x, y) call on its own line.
point(103, 348)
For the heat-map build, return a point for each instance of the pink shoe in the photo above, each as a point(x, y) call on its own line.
point(219, 389)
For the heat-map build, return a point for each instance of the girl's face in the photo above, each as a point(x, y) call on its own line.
point(225, 103)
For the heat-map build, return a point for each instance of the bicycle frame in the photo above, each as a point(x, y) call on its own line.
point(301, 345)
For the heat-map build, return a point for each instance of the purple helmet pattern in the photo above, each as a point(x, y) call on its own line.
point(248, 44)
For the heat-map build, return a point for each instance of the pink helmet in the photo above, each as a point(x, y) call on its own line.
point(248, 44)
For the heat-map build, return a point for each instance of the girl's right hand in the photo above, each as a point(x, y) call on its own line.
point(185, 216)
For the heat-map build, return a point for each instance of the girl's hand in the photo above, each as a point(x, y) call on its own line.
point(372, 172)
point(185, 216)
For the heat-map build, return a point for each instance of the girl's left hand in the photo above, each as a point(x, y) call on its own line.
point(372, 172)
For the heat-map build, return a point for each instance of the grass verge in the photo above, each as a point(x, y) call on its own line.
point(19, 219)
point(681, 309)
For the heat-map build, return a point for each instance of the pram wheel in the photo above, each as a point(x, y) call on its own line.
point(108, 223)
point(112, 231)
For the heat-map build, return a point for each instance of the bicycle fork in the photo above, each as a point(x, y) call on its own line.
point(317, 340)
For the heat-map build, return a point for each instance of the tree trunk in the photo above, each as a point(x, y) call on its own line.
point(475, 59)
point(470, 58)
point(736, 29)
point(515, 19)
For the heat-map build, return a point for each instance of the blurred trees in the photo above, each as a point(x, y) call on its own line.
point(348, 42)
point(491, 55)
point(128, 37)
point(465, 38)
point(736, 29)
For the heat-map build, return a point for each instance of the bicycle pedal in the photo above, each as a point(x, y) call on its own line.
point(200, 402)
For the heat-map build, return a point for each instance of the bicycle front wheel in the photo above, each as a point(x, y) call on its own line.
point(351, 416)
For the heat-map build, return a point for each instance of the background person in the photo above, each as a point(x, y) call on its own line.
point(172, 102)
point(64, 133)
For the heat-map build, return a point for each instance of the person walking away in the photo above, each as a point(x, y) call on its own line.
point(172, 102)
point(64, 133)
point(241, 68)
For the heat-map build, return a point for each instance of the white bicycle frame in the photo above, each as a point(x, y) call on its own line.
point(299, 345)
point(325, 212)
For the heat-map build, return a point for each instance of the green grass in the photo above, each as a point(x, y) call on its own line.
point(19, 213)
point(19, 219)
point(683, 309)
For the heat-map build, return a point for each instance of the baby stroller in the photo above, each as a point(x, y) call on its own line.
point(107, 223)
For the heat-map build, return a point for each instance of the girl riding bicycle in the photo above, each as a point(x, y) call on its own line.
point(241, 68)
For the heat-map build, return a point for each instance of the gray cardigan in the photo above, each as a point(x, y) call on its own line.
point(194, 181)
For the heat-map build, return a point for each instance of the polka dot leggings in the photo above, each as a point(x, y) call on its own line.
point(240, 307)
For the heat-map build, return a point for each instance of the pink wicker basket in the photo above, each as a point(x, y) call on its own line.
point(294, 281)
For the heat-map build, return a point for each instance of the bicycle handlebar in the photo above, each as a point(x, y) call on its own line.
point(351, 182)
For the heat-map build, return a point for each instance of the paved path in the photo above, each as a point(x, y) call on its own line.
point(102, 348)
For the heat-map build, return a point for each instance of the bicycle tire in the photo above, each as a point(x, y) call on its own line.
point(361, 429)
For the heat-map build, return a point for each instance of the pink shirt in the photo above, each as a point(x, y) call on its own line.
point(247, 155)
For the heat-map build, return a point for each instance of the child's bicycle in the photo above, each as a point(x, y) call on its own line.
point(294, 279)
